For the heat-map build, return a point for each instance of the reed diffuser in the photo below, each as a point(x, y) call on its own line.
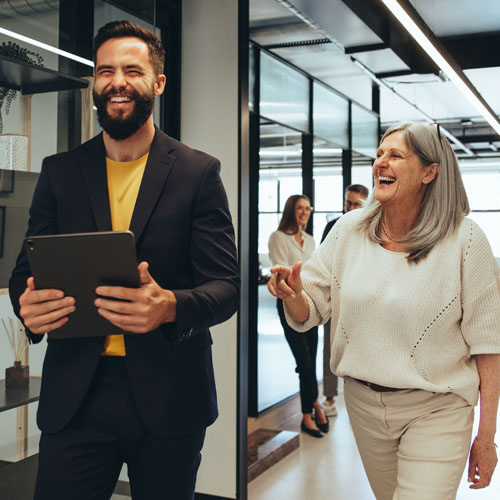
point(17, 376)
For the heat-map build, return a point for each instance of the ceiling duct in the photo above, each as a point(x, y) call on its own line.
point(309, 21)
point(14, 8)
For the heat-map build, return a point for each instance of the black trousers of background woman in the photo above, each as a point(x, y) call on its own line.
point(304, 346)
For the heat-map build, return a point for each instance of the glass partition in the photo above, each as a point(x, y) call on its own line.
point(284, 94)
point(364, 131)
point(330, 116)
point(482, 184)
point(285, 121)
point(251, 77)
point(328, 185)
point(483, 187)
point(280, 175)
point(362, 171)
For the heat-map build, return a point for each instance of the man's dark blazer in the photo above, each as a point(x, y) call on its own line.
point(183, 228)
point(328, 228)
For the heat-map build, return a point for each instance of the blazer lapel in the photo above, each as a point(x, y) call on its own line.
point(93, 164)
point(157, 170)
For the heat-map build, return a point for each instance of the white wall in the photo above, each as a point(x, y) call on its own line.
point(209, 121)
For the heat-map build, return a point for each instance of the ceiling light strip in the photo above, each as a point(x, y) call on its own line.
point(44, 46)
point(381, 83)
point(460, 80)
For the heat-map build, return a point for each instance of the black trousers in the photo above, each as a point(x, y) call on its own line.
point(304, 346)
point(83, 460)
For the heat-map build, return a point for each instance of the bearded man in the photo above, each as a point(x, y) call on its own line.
point(143, 399)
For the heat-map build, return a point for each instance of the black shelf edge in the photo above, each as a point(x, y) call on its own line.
point(30, 79)
point(13, 398)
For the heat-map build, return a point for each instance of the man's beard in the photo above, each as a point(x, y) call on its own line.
point(119, 127)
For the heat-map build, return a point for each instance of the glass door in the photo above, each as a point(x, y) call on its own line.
point(280, 176)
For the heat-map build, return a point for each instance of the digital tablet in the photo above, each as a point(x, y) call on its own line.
point(77, 264)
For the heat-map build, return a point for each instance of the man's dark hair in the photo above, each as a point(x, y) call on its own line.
point(122, 29)
point(358, 188)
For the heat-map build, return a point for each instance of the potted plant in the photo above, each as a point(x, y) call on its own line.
point(15, 51)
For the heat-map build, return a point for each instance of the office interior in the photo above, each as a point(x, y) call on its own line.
point(292, 96)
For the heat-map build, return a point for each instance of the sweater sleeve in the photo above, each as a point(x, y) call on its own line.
point(318, 278)
point(480, 294)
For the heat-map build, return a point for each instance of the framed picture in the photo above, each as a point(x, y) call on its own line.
point(3, 209)
point(6, 181)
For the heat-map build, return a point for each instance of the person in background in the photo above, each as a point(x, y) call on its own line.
point(413, 292)
point(287, 245)
point(354, 197)
point(144, 399)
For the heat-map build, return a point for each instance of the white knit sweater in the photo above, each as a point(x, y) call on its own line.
point(406, 325)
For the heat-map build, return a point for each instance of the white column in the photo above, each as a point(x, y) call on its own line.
point(209, 121)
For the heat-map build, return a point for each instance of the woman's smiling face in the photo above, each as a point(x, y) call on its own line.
point(400, 176)
point(302, 211)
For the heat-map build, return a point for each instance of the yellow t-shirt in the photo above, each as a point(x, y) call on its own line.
point(124, 180)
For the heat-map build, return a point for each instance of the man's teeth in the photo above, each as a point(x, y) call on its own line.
point(386, 180)
point(120, 99)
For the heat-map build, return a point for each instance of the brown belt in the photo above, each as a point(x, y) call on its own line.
point(376, 387)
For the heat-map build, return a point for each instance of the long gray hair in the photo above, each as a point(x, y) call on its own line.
point(445, 202)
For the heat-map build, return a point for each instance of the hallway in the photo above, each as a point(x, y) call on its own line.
point(330, 469)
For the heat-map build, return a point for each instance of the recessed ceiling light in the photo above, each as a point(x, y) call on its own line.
point(455, 75)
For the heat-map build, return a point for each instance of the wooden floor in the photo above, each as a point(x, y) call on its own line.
point(330, 469)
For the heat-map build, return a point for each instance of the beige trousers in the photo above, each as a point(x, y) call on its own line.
point(414, 444)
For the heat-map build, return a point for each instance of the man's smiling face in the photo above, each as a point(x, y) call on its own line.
point(125, 86)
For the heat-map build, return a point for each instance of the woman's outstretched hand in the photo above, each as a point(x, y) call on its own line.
point(285, 283)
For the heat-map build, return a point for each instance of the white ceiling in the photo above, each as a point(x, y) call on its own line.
point(276, 22)
point(459, 17)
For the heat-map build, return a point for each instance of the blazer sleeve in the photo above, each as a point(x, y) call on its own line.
point(215, 295)
point(42, 220)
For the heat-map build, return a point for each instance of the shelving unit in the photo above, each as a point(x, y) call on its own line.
point(17, 479)
point(19, 399)
point(30, 79)
point(13, 398)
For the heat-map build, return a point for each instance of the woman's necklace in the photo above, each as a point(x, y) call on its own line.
point(394, 240)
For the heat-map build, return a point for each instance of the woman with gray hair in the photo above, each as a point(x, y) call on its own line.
point(413, 293)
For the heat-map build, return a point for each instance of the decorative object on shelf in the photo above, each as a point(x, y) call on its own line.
point(17, 376)
point(15, 51)
point(14, 151)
